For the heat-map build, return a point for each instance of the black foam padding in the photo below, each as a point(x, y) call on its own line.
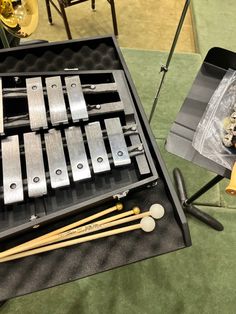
point(63, 265)
point(94, 55)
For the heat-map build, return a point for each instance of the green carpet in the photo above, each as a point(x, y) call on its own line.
point(145, 70)
point(190, 171)
point(214, 22)
point(200, 279)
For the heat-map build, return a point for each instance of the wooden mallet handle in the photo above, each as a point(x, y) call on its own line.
point(231, 188)
point(32, 243)
point(147, 224)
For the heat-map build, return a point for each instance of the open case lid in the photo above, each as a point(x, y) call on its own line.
point(49, 269)
point(179, 141)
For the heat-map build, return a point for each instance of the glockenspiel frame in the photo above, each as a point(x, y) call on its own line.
point(135, 167)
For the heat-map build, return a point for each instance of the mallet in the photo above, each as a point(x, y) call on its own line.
point(156, 211)
point(147, 224)
point(29, 244)
point(70, 233)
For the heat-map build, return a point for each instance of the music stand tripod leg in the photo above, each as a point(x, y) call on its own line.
point(187, 202)
point(2, 303)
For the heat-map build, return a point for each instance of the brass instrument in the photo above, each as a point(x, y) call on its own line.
point(19, 17)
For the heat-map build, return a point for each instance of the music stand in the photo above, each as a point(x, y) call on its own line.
point(179, 141)
point(177, 149)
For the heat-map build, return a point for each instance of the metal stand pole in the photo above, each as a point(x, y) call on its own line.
point(165, 68)
point(204, 189)
point(180, 185)
point(4, 37)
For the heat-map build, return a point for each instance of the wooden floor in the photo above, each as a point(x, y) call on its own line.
point(149, 24)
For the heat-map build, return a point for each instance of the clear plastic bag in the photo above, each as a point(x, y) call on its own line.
point(209, 135)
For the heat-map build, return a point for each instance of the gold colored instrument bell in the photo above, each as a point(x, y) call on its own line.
point(19, 17)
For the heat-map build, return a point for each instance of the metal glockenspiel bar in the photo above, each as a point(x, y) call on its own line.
point(97, 148)
point(77, 102)
point(56, 159)
point(11, 168)
point(78, 158)
point(56, 101)
point(36, 104)
point(140, 159)
point(36, 180)
point(124, 95)
point(129, 112)
point(117, 142)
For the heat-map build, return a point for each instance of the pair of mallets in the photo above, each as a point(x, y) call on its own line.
point(50, 240)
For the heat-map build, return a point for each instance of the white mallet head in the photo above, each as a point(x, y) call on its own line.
point(157, 211)
point(147, 224)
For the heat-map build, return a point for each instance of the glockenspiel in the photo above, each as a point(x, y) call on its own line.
point(69, 139)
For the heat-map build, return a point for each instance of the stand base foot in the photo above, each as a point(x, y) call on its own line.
point(190, 208)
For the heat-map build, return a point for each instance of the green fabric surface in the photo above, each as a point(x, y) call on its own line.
point(200, 279)
point(214, 22)
point(145, 67)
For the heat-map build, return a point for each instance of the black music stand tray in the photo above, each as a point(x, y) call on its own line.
point(179, 141)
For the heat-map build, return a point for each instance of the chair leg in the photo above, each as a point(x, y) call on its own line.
point(113, 13)
point(49, 11)
point(93, 4)
point(64, 17)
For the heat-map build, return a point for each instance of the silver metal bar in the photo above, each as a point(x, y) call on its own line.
point(77, 102)
point(93, 111)
point(36, 180)
point(11, 168)
point(78, 158)
point(1, 109)
point(105, 108)
point(117, 142)
point(56, 101)
point(10, 92)
point(124, 93)
point(140, 159)
point(56, 159)
point(99, 88)
point(97, 148)
point(36, 104)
